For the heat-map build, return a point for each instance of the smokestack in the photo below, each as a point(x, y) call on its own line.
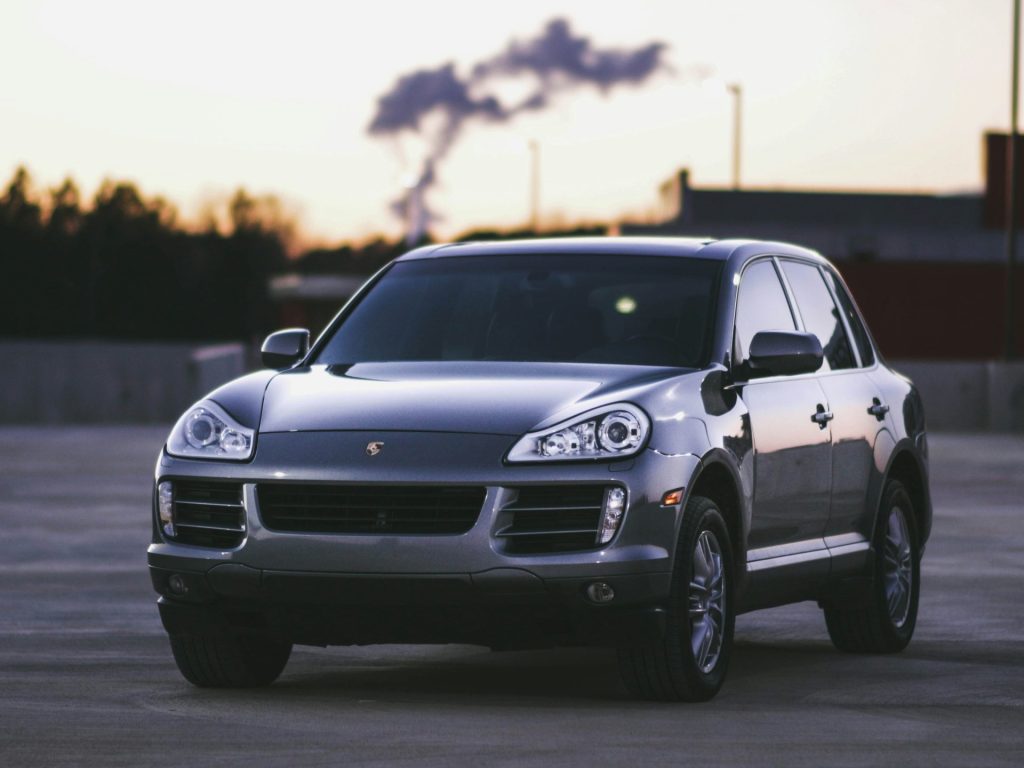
point(416, 224)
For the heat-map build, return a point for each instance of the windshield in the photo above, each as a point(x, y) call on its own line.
point(631, 310)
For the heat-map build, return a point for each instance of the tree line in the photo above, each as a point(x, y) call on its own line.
point(122, 266)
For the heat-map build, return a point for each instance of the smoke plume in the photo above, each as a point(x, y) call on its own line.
point(436, 104)
point(560, 59)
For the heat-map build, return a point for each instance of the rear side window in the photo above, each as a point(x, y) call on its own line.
point(819, 313)
point(761, 306)
point(860, 333)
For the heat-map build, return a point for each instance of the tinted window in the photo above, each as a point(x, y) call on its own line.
point(860, 333)
point(819, 314)
point(632, 310)
point(761, 305)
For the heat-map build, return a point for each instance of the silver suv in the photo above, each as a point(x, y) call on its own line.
point(565, 442)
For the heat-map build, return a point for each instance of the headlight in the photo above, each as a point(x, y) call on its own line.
point(207, 432)
point(611, 432)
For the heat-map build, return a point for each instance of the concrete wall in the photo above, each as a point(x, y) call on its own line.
point(969, 396)
point(80, 382)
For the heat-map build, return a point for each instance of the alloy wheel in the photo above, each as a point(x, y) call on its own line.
point(897, 567)
point(707, 601)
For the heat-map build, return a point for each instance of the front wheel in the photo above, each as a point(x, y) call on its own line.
point(221, 660)
point(883, 621)
point(688, 662)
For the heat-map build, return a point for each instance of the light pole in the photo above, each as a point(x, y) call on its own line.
point(736, 92)
point(534, 185)
point(1011, 201)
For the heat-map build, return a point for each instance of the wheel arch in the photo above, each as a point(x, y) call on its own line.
point(906, 467)
point(717, 479)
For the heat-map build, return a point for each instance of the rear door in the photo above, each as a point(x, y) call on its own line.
point(853, 399)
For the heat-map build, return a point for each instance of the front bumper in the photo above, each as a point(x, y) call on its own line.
point(502, 609)
point(341, 588)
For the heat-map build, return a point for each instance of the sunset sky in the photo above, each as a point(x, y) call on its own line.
point(193, 99)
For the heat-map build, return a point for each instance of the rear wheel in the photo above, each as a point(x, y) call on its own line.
point(689, 661)
point(883, 620)
point(222, 660)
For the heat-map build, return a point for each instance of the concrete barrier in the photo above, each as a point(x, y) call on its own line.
point(83, 382)
point(955, 394)
point(209, 367)
point(101, 382)
point(1006, 397)
point(969, 396)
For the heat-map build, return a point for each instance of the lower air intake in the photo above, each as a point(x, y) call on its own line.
point(555, 518)
point(208, 513)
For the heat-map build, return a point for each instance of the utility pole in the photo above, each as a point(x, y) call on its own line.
point(1011, 203)
point(737, 122)
point(535, 186)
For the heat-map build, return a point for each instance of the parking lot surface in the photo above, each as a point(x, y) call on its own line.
point(86, 675)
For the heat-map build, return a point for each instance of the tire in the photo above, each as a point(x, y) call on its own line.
point(227, 661)
point(883, 619)
point(668, 667)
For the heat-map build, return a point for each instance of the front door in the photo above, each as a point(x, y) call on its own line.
point(792, 451)
point(792, 466)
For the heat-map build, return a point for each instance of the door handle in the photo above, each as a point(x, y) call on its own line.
point(877, 409)
point(821, 417)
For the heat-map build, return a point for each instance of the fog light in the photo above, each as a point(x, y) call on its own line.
point(600, 592)
point(176, 583)
point(165, 503)
point(614, 506)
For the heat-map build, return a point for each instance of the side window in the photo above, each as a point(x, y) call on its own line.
point(820, 315)
point(761, 305)
point(860, 334)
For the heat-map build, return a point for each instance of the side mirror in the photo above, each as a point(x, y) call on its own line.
point(285, 348)
point(782, 353)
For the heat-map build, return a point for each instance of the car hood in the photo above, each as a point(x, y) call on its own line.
point(483, 398)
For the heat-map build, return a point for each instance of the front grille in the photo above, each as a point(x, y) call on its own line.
point(382, 509)
point(208, 513)
point(553, 518)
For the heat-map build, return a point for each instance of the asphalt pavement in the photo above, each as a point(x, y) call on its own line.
point(86, 675)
